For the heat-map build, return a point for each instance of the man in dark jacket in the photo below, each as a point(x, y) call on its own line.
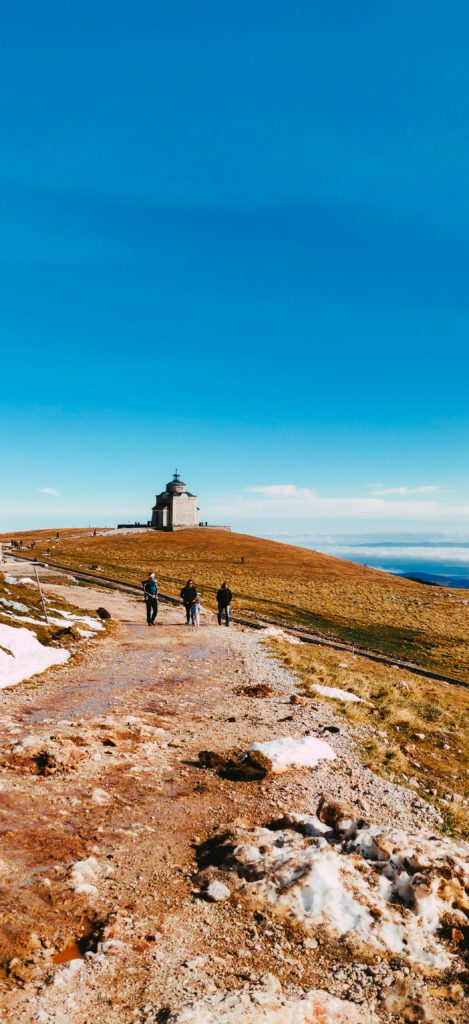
point(224, 598)
point(150, 592)
point(188, 594)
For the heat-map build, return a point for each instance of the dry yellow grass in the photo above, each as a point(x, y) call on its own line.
point(427, 625)
point(398, 709)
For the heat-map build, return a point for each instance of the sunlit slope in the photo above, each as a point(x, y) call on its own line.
point(428, 625)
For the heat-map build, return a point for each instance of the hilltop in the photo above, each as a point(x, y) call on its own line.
point(286, 584)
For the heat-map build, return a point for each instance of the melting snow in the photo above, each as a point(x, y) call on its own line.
point(85, 620)
point(280, 634)
point(333, 691)
point(390, 890)
point(67, 618)
point(22, 656)
point(286, 752)
point(84, 875)
point(16, 605)
point(100, 796)
point(266, 1004)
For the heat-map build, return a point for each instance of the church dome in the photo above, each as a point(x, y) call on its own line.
point(176, 485)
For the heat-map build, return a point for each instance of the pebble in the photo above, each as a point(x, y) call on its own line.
point(217, 892)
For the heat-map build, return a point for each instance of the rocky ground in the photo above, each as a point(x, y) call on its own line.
point(141, 884)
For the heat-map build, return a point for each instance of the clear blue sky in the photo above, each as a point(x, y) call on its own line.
point(235, 239)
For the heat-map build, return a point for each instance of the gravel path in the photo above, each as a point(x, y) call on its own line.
point(105, 804)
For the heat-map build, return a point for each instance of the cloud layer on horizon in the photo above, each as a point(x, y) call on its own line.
point(290, 501)
point(383, 492)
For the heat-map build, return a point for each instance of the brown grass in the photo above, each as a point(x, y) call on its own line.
point(427, 625)
point(398, 705)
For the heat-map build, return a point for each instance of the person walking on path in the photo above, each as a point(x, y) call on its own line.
point(188, 594)
point(150, 592)
point(196, 609)
point(224, 599)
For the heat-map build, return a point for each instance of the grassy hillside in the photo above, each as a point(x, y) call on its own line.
point(410, 729)
point(428, 625)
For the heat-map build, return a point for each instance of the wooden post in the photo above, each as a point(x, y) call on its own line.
point(40, 594)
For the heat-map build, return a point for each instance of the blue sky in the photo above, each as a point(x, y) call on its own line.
point(235, 239)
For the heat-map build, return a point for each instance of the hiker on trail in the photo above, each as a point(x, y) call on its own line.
point(196, 609)
point(150, 593)
point(224, 598)
point(188, 594)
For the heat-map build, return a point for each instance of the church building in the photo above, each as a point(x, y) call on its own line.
point(175, 508)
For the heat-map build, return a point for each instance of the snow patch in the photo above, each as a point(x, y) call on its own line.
point(286, 752)
point(16, 605)
point(85, 620)
point(392, 890)
point(266, 1004)
point(100, 796)
point(66, 618)
point(280, 634)
point(22, 656)
point(85, 874)
point(336, 693)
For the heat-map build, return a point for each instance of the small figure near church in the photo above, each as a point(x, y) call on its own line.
point(150, 593)
point(224, 599)
point(188, 595)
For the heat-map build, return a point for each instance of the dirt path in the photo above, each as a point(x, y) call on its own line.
point(104, 803)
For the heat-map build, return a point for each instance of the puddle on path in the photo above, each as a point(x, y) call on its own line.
point(89, 935)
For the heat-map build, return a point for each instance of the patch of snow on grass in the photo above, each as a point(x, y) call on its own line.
point(85, 620)
point(333, 691)
point(8, 578)
point(280, 634)
point(22, 656)
point(301, 753)
point(16, 605)
point(66, 620)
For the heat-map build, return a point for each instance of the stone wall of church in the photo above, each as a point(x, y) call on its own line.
point(184, 512)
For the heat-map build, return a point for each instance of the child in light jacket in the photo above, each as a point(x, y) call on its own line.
point(196, 609)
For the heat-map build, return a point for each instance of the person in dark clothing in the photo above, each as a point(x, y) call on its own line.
point(224, 599)
point(150, 592)
point(188, 594)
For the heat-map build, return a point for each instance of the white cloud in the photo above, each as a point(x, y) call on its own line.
point(281, 491)
point(287, 501)
point(49, 490)
point(447, 555)
point(383, 492)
